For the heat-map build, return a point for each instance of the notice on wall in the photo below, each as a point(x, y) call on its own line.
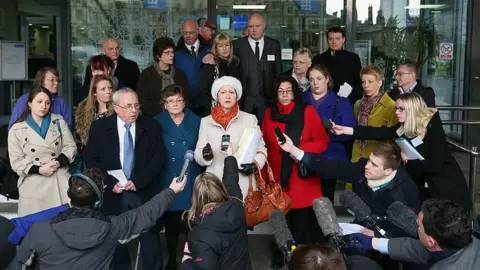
point(287, 54)
point(446, 50)
point(224, 23)
point(13, 60)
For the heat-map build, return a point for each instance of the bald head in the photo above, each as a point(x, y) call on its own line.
point(256, 26)
point(111, 48)
point(190, 31)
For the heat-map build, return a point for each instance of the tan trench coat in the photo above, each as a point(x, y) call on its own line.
point(26, 148)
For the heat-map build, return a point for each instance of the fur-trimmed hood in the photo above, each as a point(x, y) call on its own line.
point(84, 119)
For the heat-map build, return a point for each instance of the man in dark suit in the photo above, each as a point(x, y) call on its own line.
point(125, 70)
point(344, 66)
point(132, 145)
point(406, 76)
point(260, 64)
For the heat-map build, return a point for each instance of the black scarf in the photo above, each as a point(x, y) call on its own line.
point(293, 129)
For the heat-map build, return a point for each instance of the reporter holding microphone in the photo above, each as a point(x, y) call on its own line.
point(422, 128)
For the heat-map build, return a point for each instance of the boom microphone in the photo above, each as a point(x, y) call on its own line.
point(281, 233)
point(362, 212)
point(327, 220)
point(403, 217)
point(187, 159)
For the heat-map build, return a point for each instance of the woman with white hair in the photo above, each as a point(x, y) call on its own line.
point(302, 60)
point(226, 119)
point(422, 128)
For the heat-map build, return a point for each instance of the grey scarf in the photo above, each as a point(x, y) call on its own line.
point(167, 78)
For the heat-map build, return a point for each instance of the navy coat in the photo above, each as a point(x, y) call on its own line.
point(179, 139)
point(344, 117)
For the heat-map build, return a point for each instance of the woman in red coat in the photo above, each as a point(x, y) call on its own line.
point(303, 123)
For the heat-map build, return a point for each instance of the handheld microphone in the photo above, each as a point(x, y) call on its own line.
point(326, 123)
point(281, 233)
point(362, 212)
point(327, 220)
point(403, 217)
point(187, 159)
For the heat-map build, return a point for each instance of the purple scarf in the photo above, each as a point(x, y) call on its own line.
point(364, 110)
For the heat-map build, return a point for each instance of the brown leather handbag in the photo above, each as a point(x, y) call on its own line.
point(259, 204)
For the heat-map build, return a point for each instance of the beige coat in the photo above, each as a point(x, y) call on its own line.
point(26, 148)
point(211, 132)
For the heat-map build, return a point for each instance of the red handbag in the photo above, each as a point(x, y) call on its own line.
point(259, 204)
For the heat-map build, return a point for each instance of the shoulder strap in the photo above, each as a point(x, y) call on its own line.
point(335, 110)
point(58, 126)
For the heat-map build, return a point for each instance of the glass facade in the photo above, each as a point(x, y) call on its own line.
point(386, 33)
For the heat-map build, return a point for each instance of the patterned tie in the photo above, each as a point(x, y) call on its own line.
point(193, 51)
point(128, 152)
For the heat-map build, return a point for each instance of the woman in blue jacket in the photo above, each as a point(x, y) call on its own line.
point(180, 133)
point(337, 109)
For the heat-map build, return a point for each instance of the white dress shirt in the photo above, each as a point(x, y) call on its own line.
point(197, 46)
point(121, 134)
point(261, 45)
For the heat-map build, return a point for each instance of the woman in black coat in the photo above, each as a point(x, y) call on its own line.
point(218, 236)
point(158, 76)
point(226, 64)
point(422, 128)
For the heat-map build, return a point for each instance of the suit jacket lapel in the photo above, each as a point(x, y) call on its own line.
point(139, 129)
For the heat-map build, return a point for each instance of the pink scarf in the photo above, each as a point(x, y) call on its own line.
point(364, 110)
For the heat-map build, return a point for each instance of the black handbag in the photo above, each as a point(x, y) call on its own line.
point(8, 180)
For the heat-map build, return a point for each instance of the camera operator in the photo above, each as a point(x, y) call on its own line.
point(82, 237)
point(446, 241)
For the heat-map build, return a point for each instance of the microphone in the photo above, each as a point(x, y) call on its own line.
point(362, 212)
point(281, 233)
point(187, 159)
point(403, 217)
point(327, 220)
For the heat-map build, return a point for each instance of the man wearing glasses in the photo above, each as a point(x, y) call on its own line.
point(130, 151)
point(189, 53)
point(407, 82)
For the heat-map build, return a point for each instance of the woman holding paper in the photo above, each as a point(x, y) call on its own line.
point(40, 148)
point(226, 119)
point(302, 123)
point(422, 128)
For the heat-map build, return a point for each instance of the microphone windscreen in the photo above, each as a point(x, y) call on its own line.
point(281, 233)
point(326, 217)
point(188, 155)
point(403, 217)
point(352, 202)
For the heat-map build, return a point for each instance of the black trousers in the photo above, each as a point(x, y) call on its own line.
point(174, 226)
point(328, 188)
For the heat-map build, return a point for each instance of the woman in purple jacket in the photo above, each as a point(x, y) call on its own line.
point(330, 107)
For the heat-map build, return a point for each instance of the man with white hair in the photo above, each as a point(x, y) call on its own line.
point(129, 149)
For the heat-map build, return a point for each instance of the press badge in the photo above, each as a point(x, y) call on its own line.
point(416, 142)
point(270, 57)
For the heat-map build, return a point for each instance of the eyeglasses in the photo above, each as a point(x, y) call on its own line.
point(169, 52)
point(53, 80)
point(299, 63)
point(129, 107)
point(399, 74)
point(286, 92)
point(171, 101)
point(399, 109)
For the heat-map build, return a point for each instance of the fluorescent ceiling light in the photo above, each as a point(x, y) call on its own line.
point(249, 6)
point(424, 6)
point(45, 26)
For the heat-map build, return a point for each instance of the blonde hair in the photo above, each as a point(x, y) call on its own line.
point(417, 115)
point(372, 70)
point(221, 38)
point(208, 191)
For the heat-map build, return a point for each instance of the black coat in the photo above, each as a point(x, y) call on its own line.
point(344, 66)
point(150, 88)
point(103, 151)
point(127, 73)
point(439, 170)
point(241, 49)
point(401, 188)
point(218, 239)
point(427, 94)
point(207, 77)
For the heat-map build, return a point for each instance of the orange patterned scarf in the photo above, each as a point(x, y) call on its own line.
point(222, 118)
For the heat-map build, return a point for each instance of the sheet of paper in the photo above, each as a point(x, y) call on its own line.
point(408, 149)
point(287, 54)
point(345, 90)
point(224, 23)
point(349, 228)
point(119, 175)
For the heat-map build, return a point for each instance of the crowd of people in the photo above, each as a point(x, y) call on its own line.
point(117, 163)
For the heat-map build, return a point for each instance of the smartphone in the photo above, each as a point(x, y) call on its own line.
point(225, 142)
point(280, 136)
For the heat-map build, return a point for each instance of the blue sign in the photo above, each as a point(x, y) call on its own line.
point(308, 6)
point(161, 4)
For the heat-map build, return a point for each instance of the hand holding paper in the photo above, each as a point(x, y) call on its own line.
point(345, 90)
point(120, 176)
